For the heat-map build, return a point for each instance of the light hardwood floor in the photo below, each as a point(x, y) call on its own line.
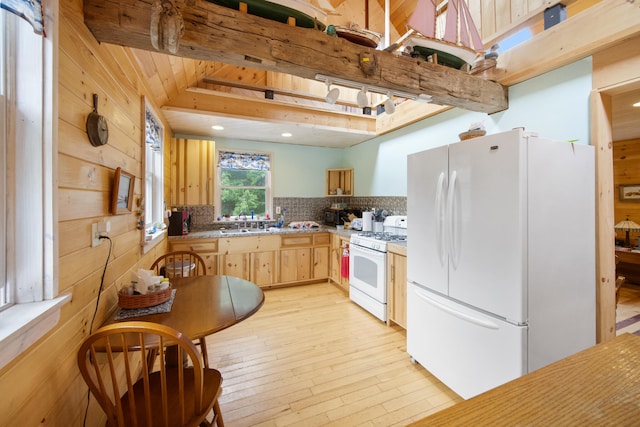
point(628, 308)
point(310, 357)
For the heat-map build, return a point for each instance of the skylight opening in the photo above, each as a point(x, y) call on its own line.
point(514, 40)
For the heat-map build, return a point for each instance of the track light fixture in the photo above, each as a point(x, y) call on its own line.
point(389, 105)
point(362, 97)
point(332, 94)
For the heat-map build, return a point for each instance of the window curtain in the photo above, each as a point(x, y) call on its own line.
point(153, 131)
point(29, 10)
point(247, 161)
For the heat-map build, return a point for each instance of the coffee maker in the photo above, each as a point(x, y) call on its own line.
point(179, 223)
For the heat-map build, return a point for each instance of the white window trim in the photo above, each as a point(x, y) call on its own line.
point(22, 324)
point(269, 188)
point(149, 241)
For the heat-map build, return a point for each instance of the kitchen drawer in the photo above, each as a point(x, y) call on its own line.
point(243, 244)
point(195, 245)
point(321, 239)
point(297, 240)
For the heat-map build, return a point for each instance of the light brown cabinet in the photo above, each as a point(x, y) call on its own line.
point(337, 250)
point(206, 248)
point(304, 257)
point(397, 288)
point(266, 260)
point(264, 268)
point(339, 182)
point(295, 265)
point(252, 258)
point(257, 267)
point(320, 263)
point(192, 171)
point(236, 265)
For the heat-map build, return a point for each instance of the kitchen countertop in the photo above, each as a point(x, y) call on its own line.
point(215, 234)
point(397, 247)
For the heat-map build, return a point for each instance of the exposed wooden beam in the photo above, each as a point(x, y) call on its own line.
point(202, 101)
point(216, 33)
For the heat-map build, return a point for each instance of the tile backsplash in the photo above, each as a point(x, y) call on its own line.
point(307, 208)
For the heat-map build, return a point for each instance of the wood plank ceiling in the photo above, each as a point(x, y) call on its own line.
point(195, 94)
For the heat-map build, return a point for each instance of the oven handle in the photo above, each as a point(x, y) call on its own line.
point(362, 249)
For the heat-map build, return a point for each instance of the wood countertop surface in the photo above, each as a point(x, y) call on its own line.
point(599, 386)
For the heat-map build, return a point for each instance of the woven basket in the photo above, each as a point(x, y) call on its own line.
point(142, 301)
point(471, 134)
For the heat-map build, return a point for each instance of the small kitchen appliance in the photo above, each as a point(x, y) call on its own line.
point(333, 217)
point(179, 223)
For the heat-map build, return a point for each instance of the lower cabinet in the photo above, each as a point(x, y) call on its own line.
point(304, 257)
point(206, 248)
point(264, 268)
point(397, 288)
point(337, 250)
point(236, 265)
point(320, 262)
point(295, 265)
point(266, 260)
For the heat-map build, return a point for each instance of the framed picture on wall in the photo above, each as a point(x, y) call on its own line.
point(122, 196)
point(630, 193)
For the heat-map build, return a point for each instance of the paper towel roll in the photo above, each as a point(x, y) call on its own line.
point(367, 220)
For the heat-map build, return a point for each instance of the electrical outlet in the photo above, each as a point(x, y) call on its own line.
point(95, 235)
point(277, 210)
point(104, 227)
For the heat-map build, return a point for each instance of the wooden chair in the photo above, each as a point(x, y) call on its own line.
point(179, 264)
point(183, 260)
point(114, 363)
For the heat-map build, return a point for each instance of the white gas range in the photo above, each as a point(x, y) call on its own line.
point(368, 265)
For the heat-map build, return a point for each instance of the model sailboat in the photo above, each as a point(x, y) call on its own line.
point(460, 42)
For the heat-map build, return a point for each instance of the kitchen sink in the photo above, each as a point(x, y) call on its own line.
point(242, 231)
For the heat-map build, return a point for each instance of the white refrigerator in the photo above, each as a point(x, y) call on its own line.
point(501, 257)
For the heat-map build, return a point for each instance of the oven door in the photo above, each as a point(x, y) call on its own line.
point(367, 272)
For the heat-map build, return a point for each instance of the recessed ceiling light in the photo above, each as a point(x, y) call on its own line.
point(287, 135)
point(217, 127)
point(637, 104)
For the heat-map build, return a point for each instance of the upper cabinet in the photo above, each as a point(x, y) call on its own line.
point(191, 172)
point(339, 182)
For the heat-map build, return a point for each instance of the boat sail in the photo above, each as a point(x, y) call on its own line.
point(460, 42)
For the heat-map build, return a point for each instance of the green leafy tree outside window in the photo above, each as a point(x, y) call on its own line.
point(243, 191)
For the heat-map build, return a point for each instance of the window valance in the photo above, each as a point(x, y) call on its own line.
point(246, 161)
point(29, 10)
point(153, 131)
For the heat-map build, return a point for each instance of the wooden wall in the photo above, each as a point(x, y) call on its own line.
point(626, 170)
point(192, 169)
point(43, 385)
point(615, 70)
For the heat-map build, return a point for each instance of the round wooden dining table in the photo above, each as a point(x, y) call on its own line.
point(204, 305)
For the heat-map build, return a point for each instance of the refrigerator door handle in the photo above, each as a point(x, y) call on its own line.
point(451, 226)
point(464, 316)
point(440, 218)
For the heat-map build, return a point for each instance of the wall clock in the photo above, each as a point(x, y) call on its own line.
point(97, 127)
